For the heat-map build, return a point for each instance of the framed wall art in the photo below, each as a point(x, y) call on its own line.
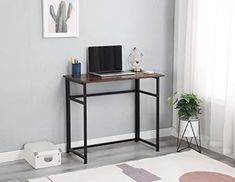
point(60, 18)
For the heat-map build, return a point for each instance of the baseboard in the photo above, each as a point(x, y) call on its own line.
point(19, 154)
point(11, 156)
point(145, 134)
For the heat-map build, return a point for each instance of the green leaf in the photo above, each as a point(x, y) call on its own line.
point(188, 105)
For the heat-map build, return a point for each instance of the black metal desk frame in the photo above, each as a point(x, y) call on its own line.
point(85, 95)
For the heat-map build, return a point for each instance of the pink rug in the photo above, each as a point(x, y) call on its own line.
point(206, 177)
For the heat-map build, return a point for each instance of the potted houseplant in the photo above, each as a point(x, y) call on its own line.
point(189, 109)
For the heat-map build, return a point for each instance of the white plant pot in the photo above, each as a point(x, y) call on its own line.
point(189, 131)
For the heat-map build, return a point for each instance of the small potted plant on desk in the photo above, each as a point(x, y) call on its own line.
point(189, 109)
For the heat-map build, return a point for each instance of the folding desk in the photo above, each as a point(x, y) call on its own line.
point(85, 79)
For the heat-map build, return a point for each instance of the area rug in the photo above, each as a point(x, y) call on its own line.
point(180, 167)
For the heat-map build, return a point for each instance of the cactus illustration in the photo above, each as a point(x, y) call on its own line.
point(61, 17)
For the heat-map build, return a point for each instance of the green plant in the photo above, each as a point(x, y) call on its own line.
point(188, 105)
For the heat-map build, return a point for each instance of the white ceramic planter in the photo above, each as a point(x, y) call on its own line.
point(189, 131)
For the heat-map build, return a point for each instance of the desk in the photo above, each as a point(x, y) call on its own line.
point(85, 79)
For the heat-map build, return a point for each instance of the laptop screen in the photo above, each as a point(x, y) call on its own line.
point(105, 59)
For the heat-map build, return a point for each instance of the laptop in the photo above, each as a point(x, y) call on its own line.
point(106, 61)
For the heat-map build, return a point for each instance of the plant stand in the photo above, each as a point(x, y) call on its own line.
point(188, 133)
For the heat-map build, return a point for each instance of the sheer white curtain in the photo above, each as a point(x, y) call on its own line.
point(205, 65)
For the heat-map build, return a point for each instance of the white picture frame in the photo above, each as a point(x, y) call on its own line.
point(63, 23)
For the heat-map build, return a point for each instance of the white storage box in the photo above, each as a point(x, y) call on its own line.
point(42, 154)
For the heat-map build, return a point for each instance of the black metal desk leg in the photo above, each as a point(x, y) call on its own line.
point(157, 113)
point(85, 121)
point(68, 119)
point(137, 110)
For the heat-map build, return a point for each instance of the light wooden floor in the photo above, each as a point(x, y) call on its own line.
point(99, 156)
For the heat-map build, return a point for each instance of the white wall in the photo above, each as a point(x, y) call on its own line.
point(32, 104)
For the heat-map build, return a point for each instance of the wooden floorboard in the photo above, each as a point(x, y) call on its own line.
point(98, 156)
